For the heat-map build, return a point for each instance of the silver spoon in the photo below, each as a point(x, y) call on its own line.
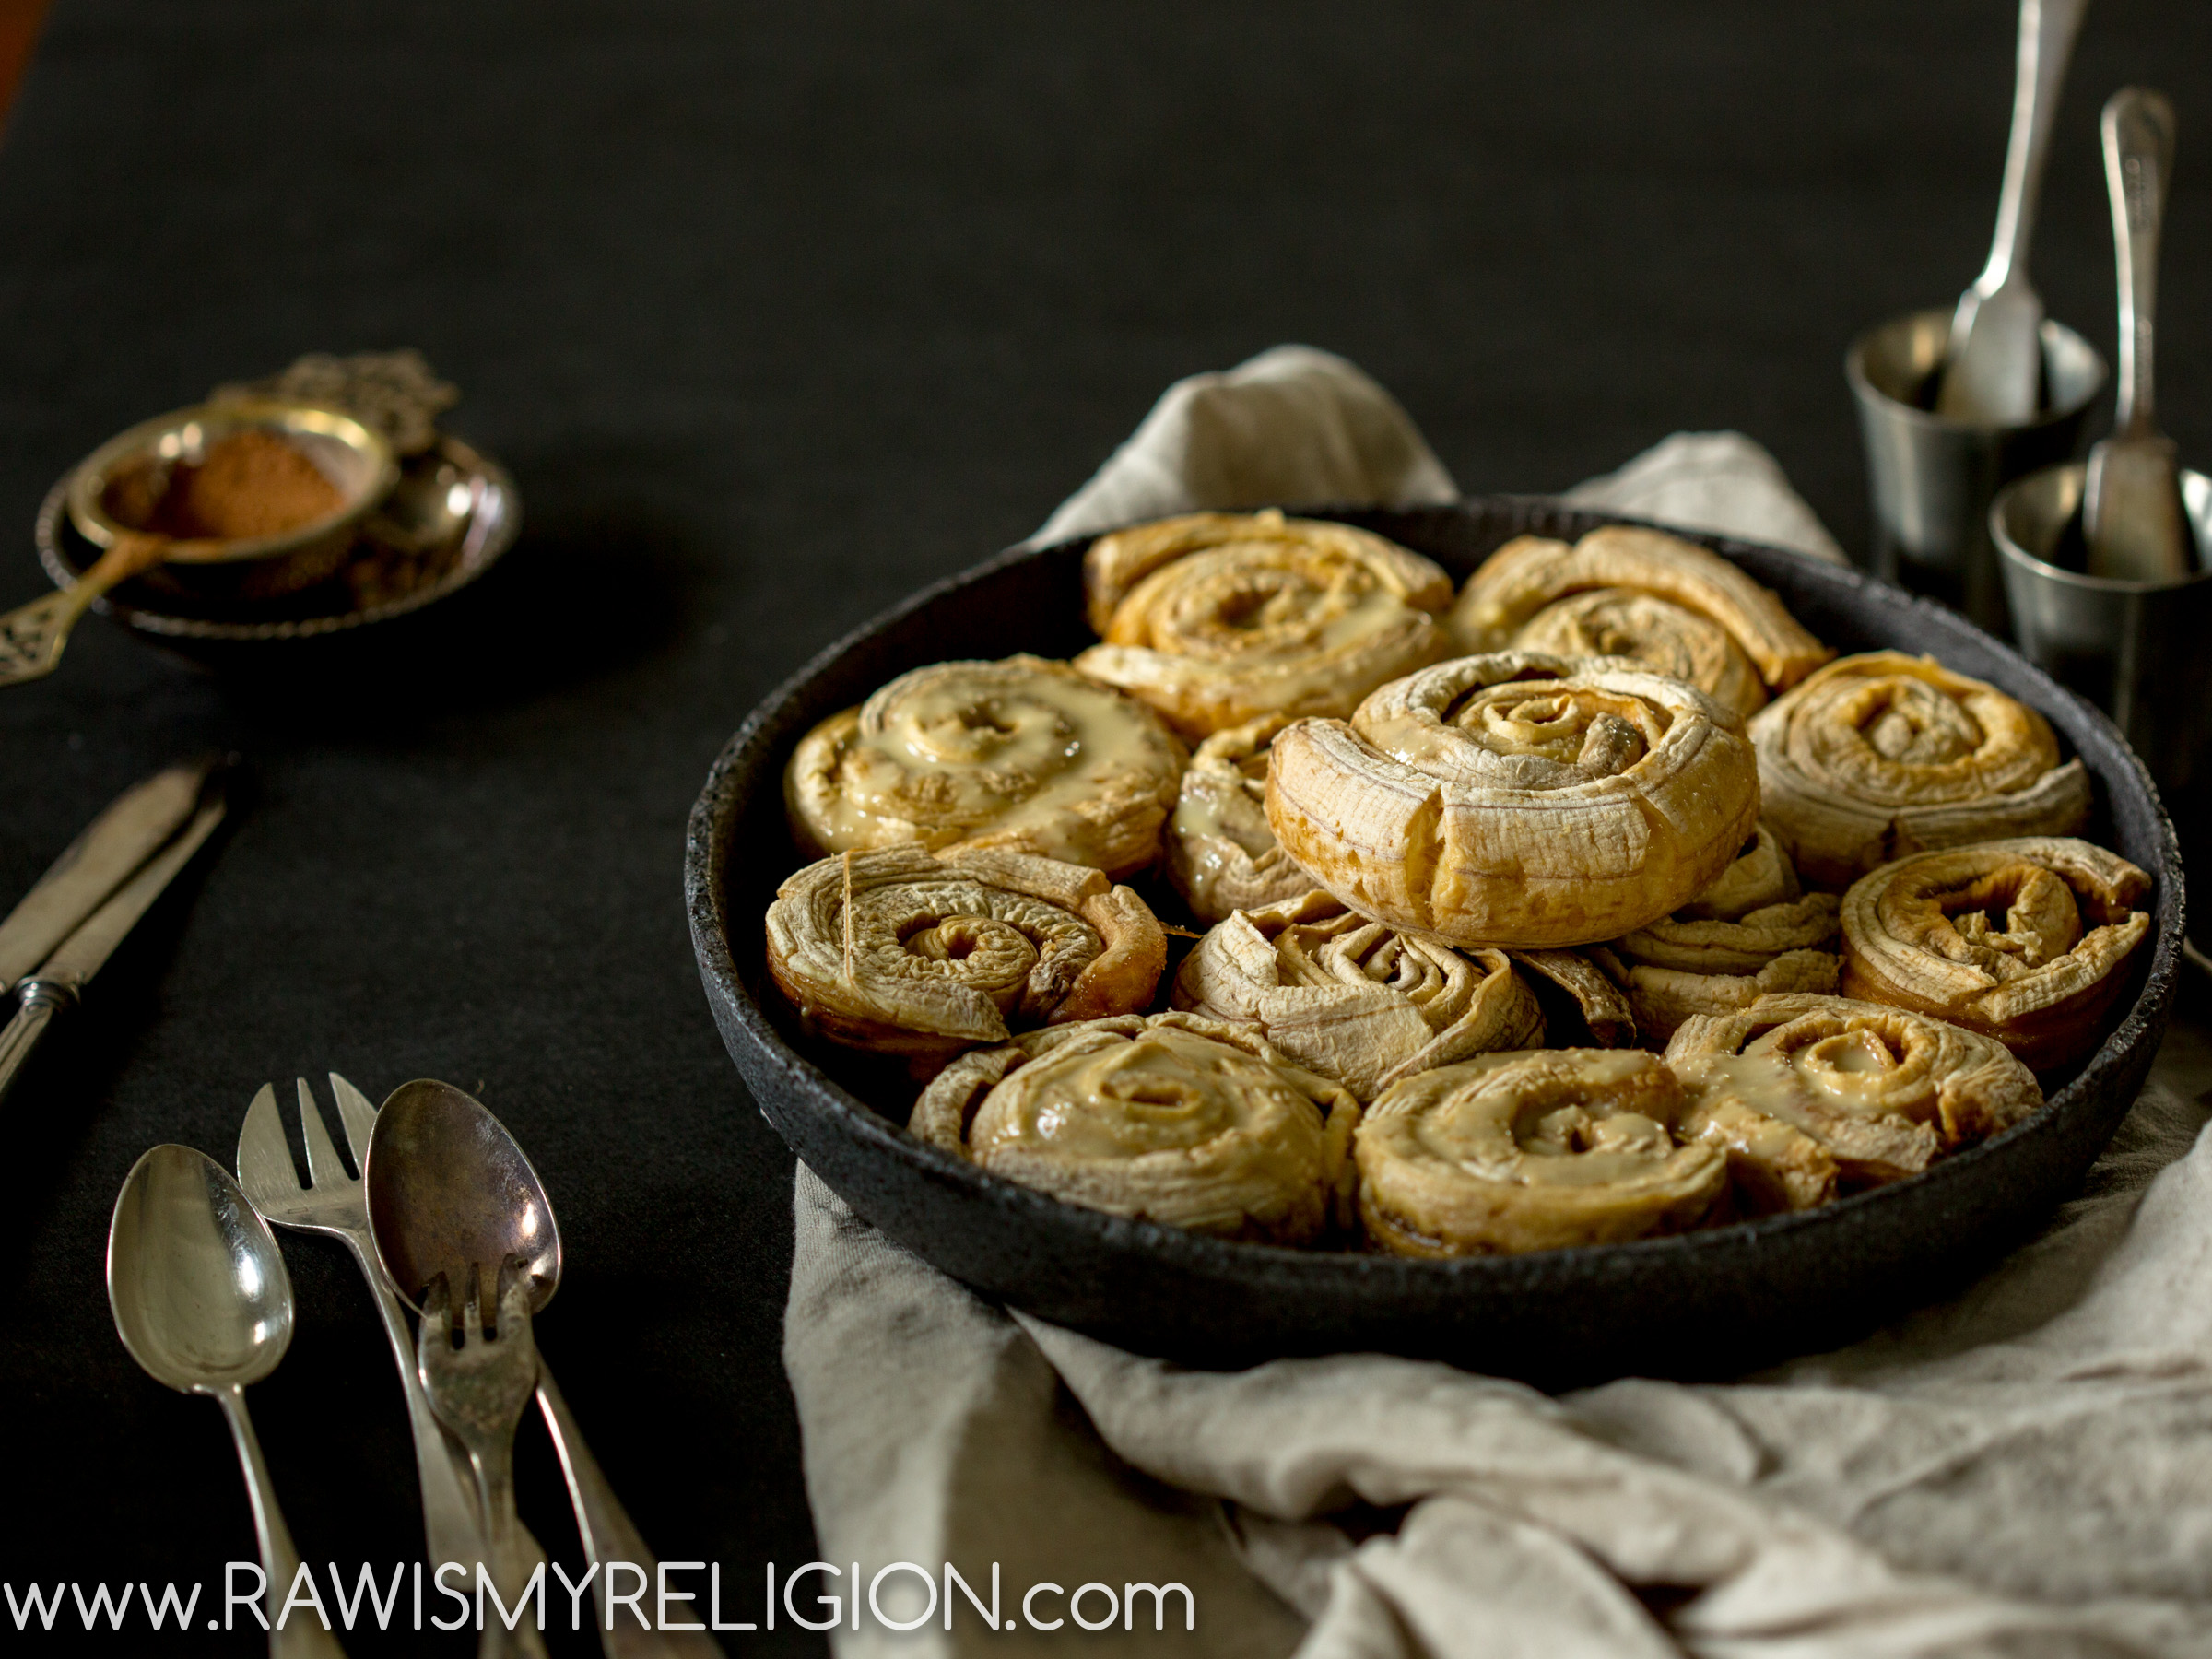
point(201, 1301)
point(1993, 366)
point(449, 1188)
point(2131, 509)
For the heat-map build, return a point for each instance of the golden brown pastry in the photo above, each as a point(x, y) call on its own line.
point(1883, 1090)
point(1752, 932)
point(1355, 1000)
point(1879, 756)
point(2026, 941)
point(1219, 852)
point(1622, 591)
point(1216, 618)
point(1532, 1151)
point(1177, 1119)
point(920, 955)
point(1023, 754)
point(1517, 799)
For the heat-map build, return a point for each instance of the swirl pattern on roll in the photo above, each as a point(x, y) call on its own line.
point(1219, 852)
point(920, 955)
point(1216, 618)
point(1883, 1090)
point(1021, 756)
point(1353, 999)
point(1189, 1122)
point(2027, 940)
point(1622, 591)
point(1754, 932)
point(1881, 756)
point(1515, 1152)
point(1517, 799)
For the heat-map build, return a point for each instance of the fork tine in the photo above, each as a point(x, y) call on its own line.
point(322, 1165)
point(357, 1114)
point(472, 1309)
point(265, 1162)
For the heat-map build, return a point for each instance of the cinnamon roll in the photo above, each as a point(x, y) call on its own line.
point(1626, 592)
point(1216, 618)
point(1884, 755)
point(1516, 1152)
point(1023, 756)
point(1189, 1121)
point(1219, 852)
point(1355, 1000)
point(2028, 941)
point(1752, 932)
point(1517, 799)
point(920, 955)
point(1883, 1090)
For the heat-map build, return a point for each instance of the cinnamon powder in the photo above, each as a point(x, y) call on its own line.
point(248, 483)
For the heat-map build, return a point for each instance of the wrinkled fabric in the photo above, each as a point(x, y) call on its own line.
point(2022, 1473)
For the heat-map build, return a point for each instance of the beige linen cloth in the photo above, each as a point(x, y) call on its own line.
point(2025, 1471)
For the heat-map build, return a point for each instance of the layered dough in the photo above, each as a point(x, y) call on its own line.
point(1879, 1092)
point(1189, 1121)
point(920, 955)
point(1624, 591)
point(1881, 756)
point(1216, 618)
point(1517, 799)
point(1366, 1004)
point(2025, 940)
point(1753, 933)
point(1022, 756)
point(1516, 1152)
point(1219, 852)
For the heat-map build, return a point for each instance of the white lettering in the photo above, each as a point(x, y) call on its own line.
point(36, 1601)
point(928, 1584)
point(663, 1595)
point(1030, 1594)
point(438, 1579)
point(364, 1590)
point(292, 1598)
point(835, 1603)
point(715, 1601)
point(250, 1602)
point(1113, 1605)
point(157, 1614)
point(533, 1585)
point(103, 1605)
point(576, 1591)
point(952, 1577)
point(616, 1599)
point(1159, 1593)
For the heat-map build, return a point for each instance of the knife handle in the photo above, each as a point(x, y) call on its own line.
point(41, 999)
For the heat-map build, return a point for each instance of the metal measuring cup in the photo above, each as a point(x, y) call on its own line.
point(1931, 478)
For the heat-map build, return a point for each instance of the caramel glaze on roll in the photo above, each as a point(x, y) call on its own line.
point(1219, 852)
point(918, 955)
point(1189, 1122)
point(1627, 591)
point(1020, 755)
point(1881, 756)
point(1517, 799)
point(1216, 618)
point(1366, 1004)
point(1517, 1152)
point(1879, 1092)
point(2026, 941)
point(1753, 933)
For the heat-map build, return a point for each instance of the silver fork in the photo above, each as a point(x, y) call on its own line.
point(480, 1390)
point(333, 1203)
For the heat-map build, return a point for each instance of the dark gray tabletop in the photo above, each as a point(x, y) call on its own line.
point(776, 313)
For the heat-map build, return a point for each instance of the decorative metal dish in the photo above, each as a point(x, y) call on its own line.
point(447, 520)
point(1696, 1303)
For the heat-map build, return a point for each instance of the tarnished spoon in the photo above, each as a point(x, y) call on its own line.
point(203, 1302)
point(31, 636)
point(2131, 509)
point(450, 1191)
point(1993, 366)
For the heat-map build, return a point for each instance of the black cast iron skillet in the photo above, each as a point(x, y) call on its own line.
point(1702, 1303)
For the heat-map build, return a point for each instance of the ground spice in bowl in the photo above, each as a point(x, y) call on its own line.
point(247, 484)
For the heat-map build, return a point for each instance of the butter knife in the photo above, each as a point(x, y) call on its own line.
point(63, 975)
point(135, 826)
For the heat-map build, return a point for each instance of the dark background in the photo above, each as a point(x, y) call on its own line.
point(775, 315)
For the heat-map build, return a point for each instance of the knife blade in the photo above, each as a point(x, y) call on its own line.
point(65, 973)
point(135, 826)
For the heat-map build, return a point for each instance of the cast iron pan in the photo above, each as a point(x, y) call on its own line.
point(1702, 1303)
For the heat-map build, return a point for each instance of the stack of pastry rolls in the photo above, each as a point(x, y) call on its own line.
point(1596, 901)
